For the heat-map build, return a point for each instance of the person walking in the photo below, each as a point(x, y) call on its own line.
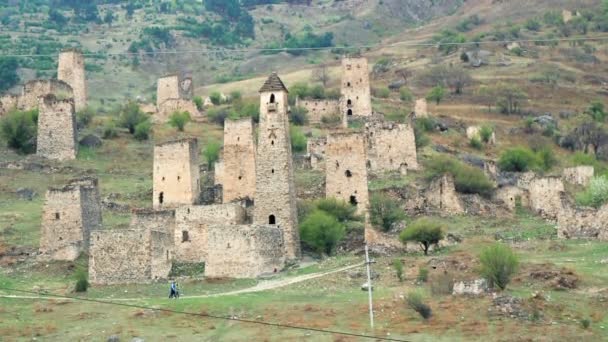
point(173, 292)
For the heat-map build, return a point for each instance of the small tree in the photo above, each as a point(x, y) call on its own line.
point(236, 96)
point(425, 231)
point(212, 152)
point(19, 129)
point(130, 116)
point(498, 264)
point(340, 209)
point(596, 111)
point(82, 283)
point(415, 300)
point(509, 98)
point(198, 102)
point(298, 139)
point(142, 130)
point(109, 130)
point(216, 98)
point(385, 212)
point(436, 94)
point(321, 232)
point(398, 266)
point(485, 133)
point(179, 120)
point(298, 116)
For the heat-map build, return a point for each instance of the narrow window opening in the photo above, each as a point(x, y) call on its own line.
point(353, 200)
point(272, 142)
point(167, 255)
point(348, 173)
point(188, 210)
point(240, 177)
point(238, 138)
point(349, 102)
point(185, 236)
point(161, 198)
point(60, 238)
point(178, 178)
point(163, 179)
point(369, 164)
point(349, 112)
point(272, 219)
point(272, 170)
point(57, 216)
point(348, 84)
point(272, 98)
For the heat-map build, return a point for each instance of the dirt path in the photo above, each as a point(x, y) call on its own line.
point(261, 286)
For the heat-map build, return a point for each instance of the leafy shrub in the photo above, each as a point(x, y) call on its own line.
point(518, 159)
point(216, 98)
point(436, 94)
point(109, 130)
point(442, 284)
point(447, 40)
point(19, 130)
point(212, 152)
point(425, 231)
point(331, 120)
point(420, 136)
point(218, 115)
point(398, 266)
point(546, 157)
point(382, 93)
point(485, 133)
point(179, 120)
point(596, 111)
point(475, 143)
point(84, 117)
point(321, 232)
point(406, 95)
point(585, 323)
point(131, 116)
point(596, 193)
point(298, 139)
point(198, 101)
point(426, 124)
point(82, 283)
point(142, 130)
point(235, 96)
point(415, 301)
point(340, 209)
point(533, 24)
point(385, 212)
point(498, 264)
point(298, 116)
point(423, 275)
point(467, 179)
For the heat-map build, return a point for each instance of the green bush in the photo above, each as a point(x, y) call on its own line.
point(596, 193)
point(84, 117)
point(475, 143)
point(19, 130)
point(216, 98)
point(198, 101)
point(406, 95)
point(212, 152)
point(546, 158)
point(498, 264)
point(218, 115)
point(596, 111)
point(420, 136)
point(298, 116)
point(467, 179)
point(425, 231)
point(436, 94)
point(235, 96)
point(331, 120)
point(385, 212)
point(518, 159)
point(415, 301)
point(142, 130)
point(426, 124)
point(179, 120)
point(423, 275)
point(82, 283)
point(321, 232)
point(382, 93)
point(109, 130)
point(131, 116)
point(485, 133)
point(298, 139)
point(340, 209)
point(585, 323)
point(398, 266)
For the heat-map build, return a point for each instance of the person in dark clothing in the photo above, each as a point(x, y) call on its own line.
point(173, 293)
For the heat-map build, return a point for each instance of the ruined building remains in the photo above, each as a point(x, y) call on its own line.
point(315, 148)
point(69, 216)
point(345, 169)
point(236, 171)
point(442, 196)
point(355, 88)
point(546, 196)
point(421, 108)
point(176, 175)
point(390, 146)
point(579, 175)
point(318, 109)
point(30, 93)
point(57, 132)
point(275, 201)
point(71, 70)
point(582, 223)
point(139, 254)
point(174, 93)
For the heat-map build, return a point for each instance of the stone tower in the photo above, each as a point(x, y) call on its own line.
point(70, 69)
point(238, 160)
point(355, 89)
point(167, 87)
point(176, 175)
point(57, 131)
point(275, 201)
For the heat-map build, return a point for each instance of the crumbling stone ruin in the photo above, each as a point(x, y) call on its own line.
point(275, 201)
point(171, 106)
point(244, 251)
point(513, 196)
point(545, 196)
point(421, 108)
point(142, 253)
point(176, 175)
point(474, 132)
point(346, 171)
point(318, 109)
point(390, 146)
point(8, 102)
point(441, 195)
point(579, 175)
point(355, 90)
point(57, 131)
point(69, 216)
point(174, 93)
point(31, 92)
point(586, 223)
point(315, 148)
point(236, 172)
point(192, 226)
point(71, 70)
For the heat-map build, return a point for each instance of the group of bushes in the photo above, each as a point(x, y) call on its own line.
point(467, 179)
point(523, 159)
point(18, 129)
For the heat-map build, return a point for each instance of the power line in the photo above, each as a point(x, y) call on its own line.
point(243, 50)
point(240, 320)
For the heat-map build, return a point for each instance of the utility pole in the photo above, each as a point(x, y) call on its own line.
point(369, 287)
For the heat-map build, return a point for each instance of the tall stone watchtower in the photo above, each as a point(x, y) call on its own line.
point(70, 69)
point(57, 131)
point(176, 175)
point(275, 201)
point(355, 89)
point(238, 178)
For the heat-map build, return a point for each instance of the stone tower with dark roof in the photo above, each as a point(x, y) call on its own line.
point(275, 201)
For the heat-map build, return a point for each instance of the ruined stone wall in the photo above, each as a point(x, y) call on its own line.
point(62, 235)
point(238, 160)
point(579, 175)
point(7, 103)
point(315, 148)
point(192, 223)
point(545, 196)
point(156, 220)
point(275, 188)
point(71, 70)
point(57, 132)
point(511, 195)
point(169, 106)
point(161, 254)
point(167, 88)
point(317, 109)
point(391, 147)
point(31, 91)
point(244, 251)
point(355, 88)
point(176, 175)
point(90, 203)
point(585, 223)
point(475, 132)
point(421, 108)
point(346, 171)
point(441, 195)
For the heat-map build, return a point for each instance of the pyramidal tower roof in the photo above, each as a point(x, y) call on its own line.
point(273, 83)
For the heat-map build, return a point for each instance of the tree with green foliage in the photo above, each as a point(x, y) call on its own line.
point(216, 98)
point(131, 116)
point(425, 231)
point(509, 98)
point(596, 111)
point(8, 73)
point(109, 17)
point(436, 94)
point(18, 129)
point(198, 102)
point(498, 264)
point(298, 116)
point(142, 130)
point(533, 24)
point(321, 232)
point(485, 133)
point(179, 120)
point(467, 179)
point(447, 41)
point(415, 300)
point(385, 212)
point(405, 95)
point(518, 159)
point(340, 209)
point(298, 139)
point(398, 266)
point(212, 152)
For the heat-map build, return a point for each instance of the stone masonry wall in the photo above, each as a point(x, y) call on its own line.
point(176, 175)
point(157, 220)
point(355, 88)
point(7, 103)
point(391, 147)
point(62, 229)
point(244, 251)
point(167, 88)
point(545, 196)
point(579, 175)
point(169, 106)
point(71, 70)
point(510, 195)
point(33, 90)
point(192, 223)
point(317, 109)
point(421, 108)
point(238, 160)
point(441, 195)
point(315, 148)
point(57, 132)
point(585, 223)
point(275, 188)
